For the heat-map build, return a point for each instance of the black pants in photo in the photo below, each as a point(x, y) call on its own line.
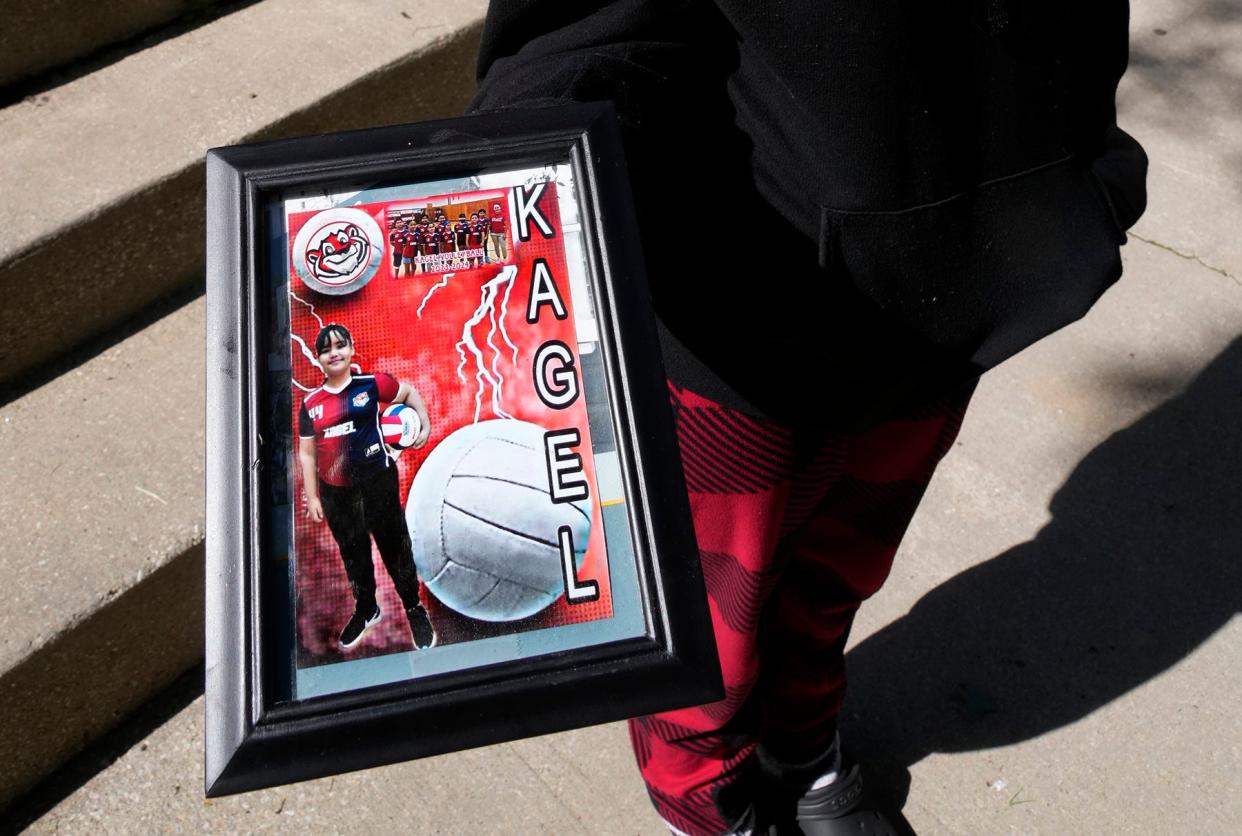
point(360, 511)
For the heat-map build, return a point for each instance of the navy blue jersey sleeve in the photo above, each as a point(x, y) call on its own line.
point(306, 427)
point(387, 387)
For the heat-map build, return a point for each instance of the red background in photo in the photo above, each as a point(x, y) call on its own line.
point(404, 329)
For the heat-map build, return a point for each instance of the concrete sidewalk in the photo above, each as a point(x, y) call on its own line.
point(1057, 649)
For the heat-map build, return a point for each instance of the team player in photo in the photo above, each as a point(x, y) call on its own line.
point(396, 240)
point(447, 239)
point(477, 233)
point(496, 234)
point(461, 236)
point(409, 252)
point(420, 243)
point(431, 243)
point(350, 480)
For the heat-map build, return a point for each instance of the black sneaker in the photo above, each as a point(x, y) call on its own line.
point(843, 807)
point(420, 627)
point(357, 627)
point(839, 808)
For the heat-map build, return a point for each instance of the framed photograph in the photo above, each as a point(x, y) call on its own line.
point(444, 504)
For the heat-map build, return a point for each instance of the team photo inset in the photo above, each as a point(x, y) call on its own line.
point(448, 233)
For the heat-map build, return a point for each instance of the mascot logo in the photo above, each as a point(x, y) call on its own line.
point(337, 255)
point(338, 251)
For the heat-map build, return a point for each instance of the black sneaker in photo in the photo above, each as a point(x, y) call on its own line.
point(357, 627)
point(420, 627)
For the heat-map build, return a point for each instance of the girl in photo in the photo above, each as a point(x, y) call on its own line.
point(351, 480)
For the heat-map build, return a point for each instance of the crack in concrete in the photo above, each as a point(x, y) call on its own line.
point(1188, 257)
point(565, 805)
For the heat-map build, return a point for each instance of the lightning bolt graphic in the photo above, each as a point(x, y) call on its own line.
point(444, 280)
point(310, 355)
point(488, 374)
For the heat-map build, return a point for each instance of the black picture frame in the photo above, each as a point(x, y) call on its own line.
point(258, 732)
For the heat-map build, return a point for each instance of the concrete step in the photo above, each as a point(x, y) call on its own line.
point(101, 488)
point(102, 496)
point(103, 176)
point(38, 36)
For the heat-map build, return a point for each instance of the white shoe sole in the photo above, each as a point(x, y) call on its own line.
point(375, 619)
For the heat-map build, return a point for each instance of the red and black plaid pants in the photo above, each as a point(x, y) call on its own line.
point(795, 528)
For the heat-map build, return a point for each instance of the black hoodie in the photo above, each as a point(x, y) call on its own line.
point(933, 184)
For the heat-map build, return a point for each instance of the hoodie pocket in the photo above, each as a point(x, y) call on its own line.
point(989, 271)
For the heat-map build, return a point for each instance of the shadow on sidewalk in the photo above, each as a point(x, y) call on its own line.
point(1140, 564)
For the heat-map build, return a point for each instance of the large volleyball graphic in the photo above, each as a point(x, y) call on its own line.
point(484, 526)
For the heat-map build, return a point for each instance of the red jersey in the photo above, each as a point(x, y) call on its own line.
point(345, 425)
point(477, 230)
point(496, 223)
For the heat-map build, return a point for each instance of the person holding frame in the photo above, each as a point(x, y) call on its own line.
point(351, 480)
point(936, 187)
